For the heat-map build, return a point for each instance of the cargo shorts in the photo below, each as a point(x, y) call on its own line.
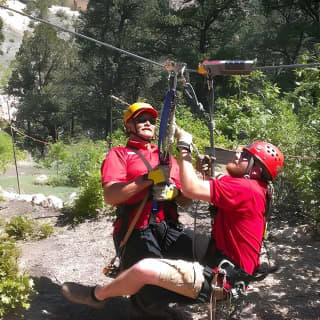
point(183, 277)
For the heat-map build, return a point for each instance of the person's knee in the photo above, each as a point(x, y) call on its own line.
point(146, 264)
point(146, 269)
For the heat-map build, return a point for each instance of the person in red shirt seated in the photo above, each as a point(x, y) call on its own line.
point(129, 174)
point(241, 198)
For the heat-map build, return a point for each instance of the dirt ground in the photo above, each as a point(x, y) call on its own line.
point(79, 254)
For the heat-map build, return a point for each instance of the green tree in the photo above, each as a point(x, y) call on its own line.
point(6, 151)
point(123, 24)
point(41, 79)
point(306, 102)
point(6, 155)
point(277, 32)
point(1, 33)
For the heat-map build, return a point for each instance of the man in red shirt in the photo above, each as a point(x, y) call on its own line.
point(129, 174)
point(242, 199)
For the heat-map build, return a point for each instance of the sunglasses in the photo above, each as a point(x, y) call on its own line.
point(143, 119)
point(245, 155)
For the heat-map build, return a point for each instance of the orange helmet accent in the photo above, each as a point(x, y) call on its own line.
point(135, 109)
point(269, 155)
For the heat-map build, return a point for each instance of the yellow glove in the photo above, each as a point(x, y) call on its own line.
point(159, 175)
point(164, 192)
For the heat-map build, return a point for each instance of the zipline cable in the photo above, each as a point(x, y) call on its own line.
point(100, 43)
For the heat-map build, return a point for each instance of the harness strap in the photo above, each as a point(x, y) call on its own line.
point(234, 273)
point(145, 161)
point(122, 210)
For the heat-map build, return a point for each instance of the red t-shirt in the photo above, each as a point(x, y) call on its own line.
point(239, 225)
point(122, 165)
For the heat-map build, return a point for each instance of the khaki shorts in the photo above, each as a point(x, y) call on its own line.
point(183, 277)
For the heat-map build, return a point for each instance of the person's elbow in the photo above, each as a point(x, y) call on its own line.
point(188, 192)
point(109, 200)
point(109, 195)
point(197, 191)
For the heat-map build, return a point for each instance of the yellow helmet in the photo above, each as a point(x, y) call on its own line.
point(138, 107)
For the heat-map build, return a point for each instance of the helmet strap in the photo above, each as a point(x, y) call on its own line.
point(249, 168)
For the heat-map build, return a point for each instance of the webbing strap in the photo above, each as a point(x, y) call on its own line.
point(164, 119)
point(148, 165)
point(145, 161)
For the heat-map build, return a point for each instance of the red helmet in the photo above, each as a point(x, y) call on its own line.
point(269, 155)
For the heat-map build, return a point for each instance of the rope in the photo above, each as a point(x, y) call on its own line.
point(100, 43)
point(164, 120)
point(25, 135)
point(120, 100)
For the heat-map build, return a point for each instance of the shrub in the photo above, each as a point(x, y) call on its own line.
point(90, 200)
point(72, 162)
point(26, 228)
point(62, 14)
point(15, 289)
point(45, 230)
point(20, 228)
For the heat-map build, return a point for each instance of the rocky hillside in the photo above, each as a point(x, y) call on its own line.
point(14, 26)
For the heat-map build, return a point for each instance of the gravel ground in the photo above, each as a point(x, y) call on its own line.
point(79, 254)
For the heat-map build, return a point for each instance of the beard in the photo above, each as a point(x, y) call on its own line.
point(235, 171)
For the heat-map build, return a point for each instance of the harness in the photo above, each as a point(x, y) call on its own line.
point(123, 210)
point(225, 280)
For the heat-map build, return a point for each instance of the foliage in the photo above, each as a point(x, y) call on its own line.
point(26, 228)
point(62, 14)
point(40, 78)
point(15, 288)
point(65, 94)
point(306, 103)
point(119, 138)
point(106, 72)
point(89, 202)
point(257, 112)
point(6, 152)
point(72, 162)
point(1, 33)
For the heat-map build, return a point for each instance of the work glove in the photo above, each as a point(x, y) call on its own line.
point(159, 175)
point(164, 191)
point(184, 139)
point(204, 164)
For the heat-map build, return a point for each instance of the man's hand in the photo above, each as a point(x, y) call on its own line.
point(159, 175)
point(184, 139)
point(164, 192)
point(204, 164)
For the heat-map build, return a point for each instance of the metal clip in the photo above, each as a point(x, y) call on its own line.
point(222, 270)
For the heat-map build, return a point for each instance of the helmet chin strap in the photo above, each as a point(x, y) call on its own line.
point(249, 168)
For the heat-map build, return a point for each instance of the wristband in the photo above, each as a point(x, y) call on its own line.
point(184, 145)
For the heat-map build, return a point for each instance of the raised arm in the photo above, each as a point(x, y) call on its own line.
point(192, 186)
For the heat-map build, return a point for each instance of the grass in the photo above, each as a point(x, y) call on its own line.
point(27, 186)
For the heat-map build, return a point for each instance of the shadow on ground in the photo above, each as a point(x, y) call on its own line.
point(49, 304)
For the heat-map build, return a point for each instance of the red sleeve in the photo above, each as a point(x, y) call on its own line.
point(174, 173)
point(114, 166)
